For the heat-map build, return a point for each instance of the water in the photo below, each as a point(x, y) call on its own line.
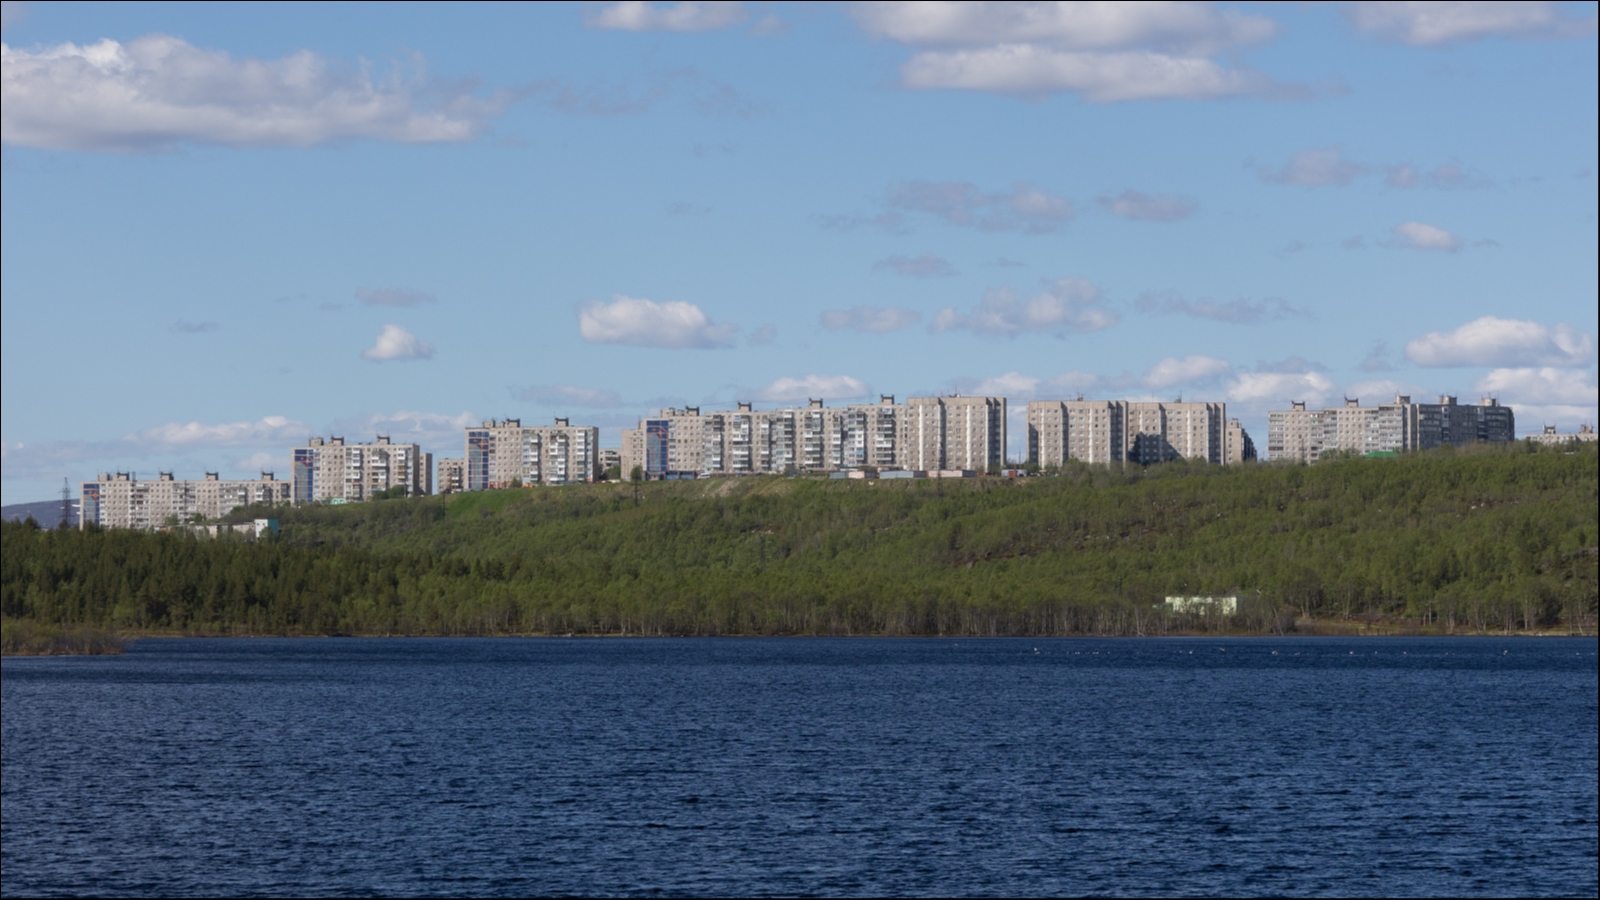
point(804, 766)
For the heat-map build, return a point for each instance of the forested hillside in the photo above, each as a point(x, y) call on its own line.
point(1498, 538)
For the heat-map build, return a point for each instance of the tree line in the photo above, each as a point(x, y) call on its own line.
point(1484, 539)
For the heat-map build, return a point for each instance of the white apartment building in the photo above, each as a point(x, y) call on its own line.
point(1304, 435)
point(119, 500)
point(1550, 437)
point(452, 476)
point(1238, 448)
point(332, 470)
point(502, 453)
point(1109, 431)
point(922, 433)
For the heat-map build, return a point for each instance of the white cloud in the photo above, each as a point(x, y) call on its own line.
point(12, 12)
point(1236, 312)
point(1446, 22)
point(393, 296)
point(870, 318)
point(1422, 236)
point(1172, 371)
point(1444, 177)
point(1097, 77)
point(1105, 52)
point(634, 15)
point(1068, 305)
point(1025, 208)
point(264, 462)
point(636, 322)
point(1011, 385)
point(819, 387)
point(394, 342)
point(411, 426)
point(925, 266)
point(179, 435)
point(1131, 204)
point(764, 335)
point(568, 394)
point(1179, 27)
point(1509, 343)
point(1545, 386)
point(158, 92)
point(1314, 168)
point(1279, 387)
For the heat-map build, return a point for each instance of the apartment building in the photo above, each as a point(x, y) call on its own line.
point(1305, 435)
point(922, 433)
point(500, 454)
point(333, 471)
point(1109, 431)
point(119, 500)
point(452, 476)
point(1550, 437)
point(1237, 446)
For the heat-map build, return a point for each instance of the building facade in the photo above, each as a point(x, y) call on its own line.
point(1237, 446)
point(332, 470)
point(501, 454)
point(452, 476)
point(1550, 437)
point(1111, 431)
point(922, 433)
point(119, 500)
point(1306, 435)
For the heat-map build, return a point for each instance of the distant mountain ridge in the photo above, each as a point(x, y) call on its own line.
point(46, 512)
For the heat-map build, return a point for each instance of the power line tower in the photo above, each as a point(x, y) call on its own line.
point(66, 504)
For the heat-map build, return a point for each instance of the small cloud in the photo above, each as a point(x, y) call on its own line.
point(1005, 263)
point(875, 319)
point(1422, 236)
point(1235, 312)
point(1354, 243)
point(1485, 244)
point(263, 462)
point(396, 343)
point(1131, 204)
point(1445, 177)
point(1068, 305)
point(568, 395)
point(769, 24)
point(1290, 249)
point(1546, 386)
point(181, 435)
point(925, 266)
point(1378, 358)
point(1291, 365)
point(688, 16)
point(329, 307)
point(1424, 24)
point(12, 12)
point(1173, 371)
point(673, 324)
point(194, 327)
point(411, 426)
point(813, 387)
point(1011, 385)
point(1314, 168)
point(764, 335)
point(393, 296)
point(1253, 388)
point(1024, 208)
point(1506, 343)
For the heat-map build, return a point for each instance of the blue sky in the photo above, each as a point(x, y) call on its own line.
point(229, 227)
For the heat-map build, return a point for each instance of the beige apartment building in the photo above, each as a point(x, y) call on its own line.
point(334, 471)
point(452, 476)
point(922, 433)
point(1305, 435)
point(500, 454)
point(1550, 437)
point(119, 500)
point(1110, 431)
point(1238, 448)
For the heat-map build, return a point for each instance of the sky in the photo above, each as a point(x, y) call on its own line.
point(230, 227)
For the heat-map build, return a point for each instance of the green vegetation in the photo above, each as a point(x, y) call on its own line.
point(1493, 539)
point(25, 638)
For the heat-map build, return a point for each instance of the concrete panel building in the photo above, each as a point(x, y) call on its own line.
point(1305, 435)
point(119, 500)
point(1550, 437)
point(1111, 431)
point(923, 433)
point(500, 454)
point(452, 476)
point(1237, 446)
point(332, 470)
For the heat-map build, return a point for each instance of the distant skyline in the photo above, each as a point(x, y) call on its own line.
point(230, 227)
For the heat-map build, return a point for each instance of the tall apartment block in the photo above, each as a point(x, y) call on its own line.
point(922, 433)
point(118, 500)
point(1303, 435)
point(500, 453)
point(452, 476)
point(1108, 431)
point(332, 470)
point(1237, 446)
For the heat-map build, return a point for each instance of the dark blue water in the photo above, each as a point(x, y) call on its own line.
point(804, 766)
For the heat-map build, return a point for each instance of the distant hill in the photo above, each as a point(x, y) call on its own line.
point(46, 512)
